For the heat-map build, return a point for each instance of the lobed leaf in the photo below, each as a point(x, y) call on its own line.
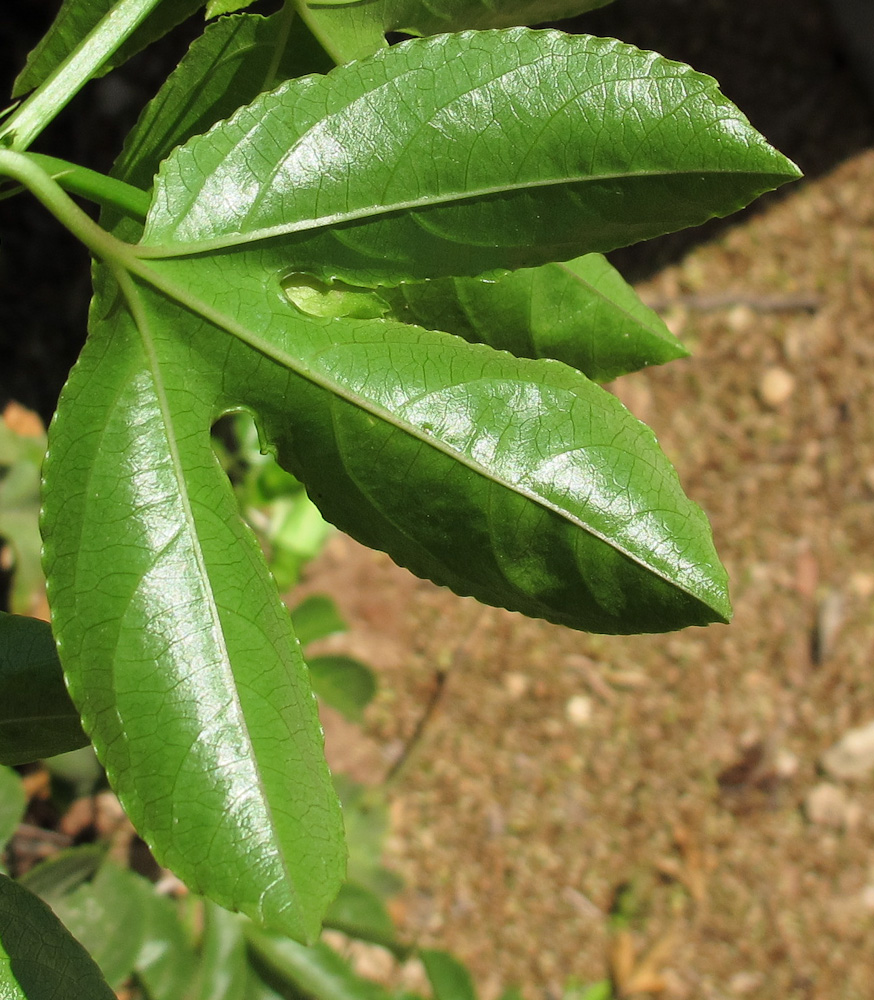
point(37, 717)
point(352, 32)
point(459, 155)
point(39, 958)
point(581, 312)
point(518, 482)
point(178, 652)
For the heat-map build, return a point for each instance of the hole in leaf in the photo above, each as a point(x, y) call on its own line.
point(332, 300)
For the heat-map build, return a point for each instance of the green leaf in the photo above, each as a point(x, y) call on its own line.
point(316, 617)
point(37, 717)
point(353, 31)
point(518, 482)
point(343, 683)
point(582, 312)
point(225, 68)
point(522, 147)
point(39, 958)
point(360, 913)
point(12, 804)
point(316, 971)
point(63, 872)
point(223, 966)
point(449, 979)
point(215, 8)
point(77, 18)
point(365, 816)
point(167, 963)
point(107, 918)
point(20, 460)
point(177, 649)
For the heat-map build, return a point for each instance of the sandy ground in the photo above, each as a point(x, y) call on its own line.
point(677, 778)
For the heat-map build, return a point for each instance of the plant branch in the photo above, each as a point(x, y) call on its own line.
point(56, 91)
point(23, 168)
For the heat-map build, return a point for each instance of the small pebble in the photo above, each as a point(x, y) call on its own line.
point(516, 685)
point(852, 756)
point(828, 805)
point(579, 710)
point(776, 386)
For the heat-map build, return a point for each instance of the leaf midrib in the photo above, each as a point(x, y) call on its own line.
point(229, 240)
point(218, 318)
point(137, 312)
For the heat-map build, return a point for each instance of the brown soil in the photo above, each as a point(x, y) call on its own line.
point(563, 773)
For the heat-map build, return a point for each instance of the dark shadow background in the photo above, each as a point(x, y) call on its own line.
point(782, 62)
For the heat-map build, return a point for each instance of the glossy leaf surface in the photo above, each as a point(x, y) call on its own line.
point(78, 17)
point(225, 68)
point(581, 312)
point(522, 147)
point(178, 651)
point(544, 495)
point(39, 958)
point(351, 32)
point(37, 717)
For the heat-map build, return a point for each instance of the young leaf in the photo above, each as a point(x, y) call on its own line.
point(223, 965)
point(342, 683)
point(106, 917)
point(317, 971)
point(316, 617)
point(582, 312)
point(63, 872)
point(12, 803)
point(167, 963)
point(20, 460)
point(77, 18)
point(39, 958)
point(520, 148)
point(352, 32)
point(360, 913)
point(177, 649)
point(37, 717)
point(449, 979)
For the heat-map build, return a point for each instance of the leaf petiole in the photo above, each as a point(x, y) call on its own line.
point(25, 169)
point(96, 187)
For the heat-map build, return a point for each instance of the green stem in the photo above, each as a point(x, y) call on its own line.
point(55, 92)
point(286, 20)
point(96, 187)
point(22, 168)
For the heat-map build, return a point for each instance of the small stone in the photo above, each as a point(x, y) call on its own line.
point(852, 756)
point(579, 710)
point(743, 983)
point(827, 805)
point(516, 685)
point(776, 386)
